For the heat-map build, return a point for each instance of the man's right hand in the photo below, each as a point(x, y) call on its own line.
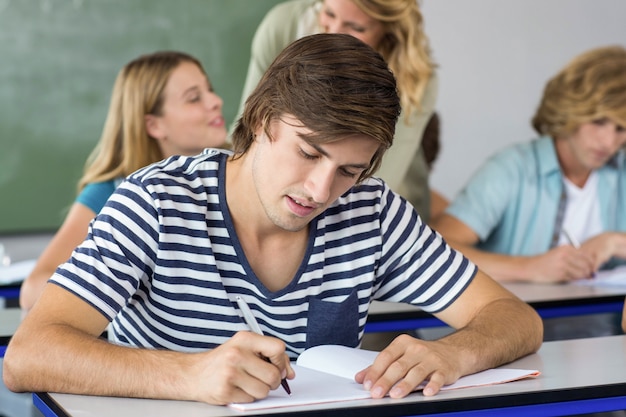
point(561, 264)
point(237, 371)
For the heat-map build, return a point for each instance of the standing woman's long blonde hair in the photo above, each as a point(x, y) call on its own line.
point(125, 145)
point(405, 46)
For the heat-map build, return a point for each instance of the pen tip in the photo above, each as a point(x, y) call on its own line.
point(286, 386)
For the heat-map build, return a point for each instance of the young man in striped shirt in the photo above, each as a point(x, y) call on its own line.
point(291, 222)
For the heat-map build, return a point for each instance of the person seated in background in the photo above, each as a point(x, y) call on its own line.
point(162, 104)
point(396, 30)
point(293, 224)
point(552, 210)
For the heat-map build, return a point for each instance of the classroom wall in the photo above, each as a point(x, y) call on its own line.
point(495, 57)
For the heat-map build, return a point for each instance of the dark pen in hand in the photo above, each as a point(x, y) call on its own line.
point(254, 326)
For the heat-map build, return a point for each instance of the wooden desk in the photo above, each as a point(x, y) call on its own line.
point(578, 376)
point(550, 300)
point(10, 318)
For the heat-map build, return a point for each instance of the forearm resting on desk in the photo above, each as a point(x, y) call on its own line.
point(49, 353)
point(560, 264)
point(80, 365)
point(503, 331)
point(494, 327)
point(57, 349)
point(605, 246)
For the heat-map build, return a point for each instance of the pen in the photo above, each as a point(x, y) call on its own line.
point(572, 240)
point(575, 243)
point(254, 326)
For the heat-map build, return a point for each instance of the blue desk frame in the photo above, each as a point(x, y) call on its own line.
point(527, 404)
point(10, 292)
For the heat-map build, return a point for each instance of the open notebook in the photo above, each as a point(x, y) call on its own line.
point(326, 374)
point(606, 278)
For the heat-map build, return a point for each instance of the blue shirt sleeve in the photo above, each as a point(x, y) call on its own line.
point(95, 195)
point(512, 200)
point(484, 200)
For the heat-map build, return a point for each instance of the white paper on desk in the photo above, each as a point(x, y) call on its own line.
point(615, 277)
point(16, 272)
point(326, 374)
point(309, 387)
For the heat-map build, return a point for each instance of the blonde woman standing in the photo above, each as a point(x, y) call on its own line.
point(395, 29)
point(162, 104)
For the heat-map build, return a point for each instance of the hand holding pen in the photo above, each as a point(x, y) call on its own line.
point(575, 243)
point(254, 326)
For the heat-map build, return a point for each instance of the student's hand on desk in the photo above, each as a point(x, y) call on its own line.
point(605, 246)
point(406, 363)
point(236, 371)
point(560, 264)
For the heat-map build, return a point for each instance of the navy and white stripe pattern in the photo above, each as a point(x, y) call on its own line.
point(163, 262)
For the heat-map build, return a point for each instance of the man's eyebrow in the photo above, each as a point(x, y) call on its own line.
point(324, 153)
point(318, 148)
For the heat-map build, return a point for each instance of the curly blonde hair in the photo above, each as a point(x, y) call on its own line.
point(591, 87)
point(404, 46)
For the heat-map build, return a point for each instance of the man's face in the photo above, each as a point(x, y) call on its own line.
point(295, 180)
point(594, 143)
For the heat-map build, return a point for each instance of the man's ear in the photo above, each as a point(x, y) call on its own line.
point(259, 133)
point(153, 126)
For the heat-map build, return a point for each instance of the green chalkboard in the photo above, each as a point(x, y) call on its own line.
point(58, 61)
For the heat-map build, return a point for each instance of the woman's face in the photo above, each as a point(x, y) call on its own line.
point(343, 16)
point(191, 118)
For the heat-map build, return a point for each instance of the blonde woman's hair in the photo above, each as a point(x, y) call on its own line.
point(125, 145)
point(591, 87)
point(404, 46)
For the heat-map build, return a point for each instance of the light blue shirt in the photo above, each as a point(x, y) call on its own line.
point(511, 203)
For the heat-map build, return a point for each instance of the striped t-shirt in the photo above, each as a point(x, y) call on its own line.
point(163, 262)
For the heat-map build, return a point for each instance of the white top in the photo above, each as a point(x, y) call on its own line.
point(582, 212)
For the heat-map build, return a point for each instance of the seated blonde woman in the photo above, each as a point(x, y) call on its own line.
point(162, 105)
